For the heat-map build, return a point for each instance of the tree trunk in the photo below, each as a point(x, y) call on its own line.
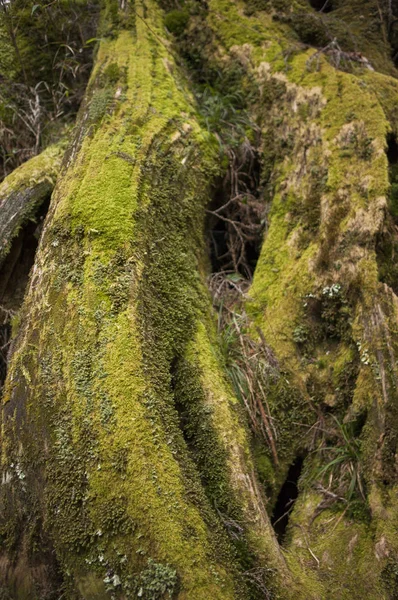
point(144, 450)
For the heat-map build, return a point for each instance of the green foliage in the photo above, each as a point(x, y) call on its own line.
point(252, 369)
point(157, 582)
point(223, 113)
point(128, 336)
point(35, 21)
point(43, 72)
point(223, 90)
point(341, 464)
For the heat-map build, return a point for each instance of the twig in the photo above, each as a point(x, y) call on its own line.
point(324, 6)
point(313, 556)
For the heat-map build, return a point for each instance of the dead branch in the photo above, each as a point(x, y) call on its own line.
point(337, 56)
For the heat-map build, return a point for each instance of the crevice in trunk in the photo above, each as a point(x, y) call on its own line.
point(392, 149)
point(236, 216)
point(392, 157)
point(387, 240)
point(392, 27)
point(394, 55)
point(223, 240)
point(14, 278)
point(322, 6)
point(286, 499)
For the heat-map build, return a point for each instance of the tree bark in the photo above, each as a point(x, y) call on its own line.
point(128, 467)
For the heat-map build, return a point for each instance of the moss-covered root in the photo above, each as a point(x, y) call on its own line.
point(318, 293)
point(218, 439)
point(24, 190)
point(97, 468)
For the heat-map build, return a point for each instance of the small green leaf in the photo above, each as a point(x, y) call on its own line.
point(235, 277)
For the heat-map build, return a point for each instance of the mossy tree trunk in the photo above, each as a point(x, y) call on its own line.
point(128, 465)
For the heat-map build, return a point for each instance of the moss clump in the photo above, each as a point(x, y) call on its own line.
point(350, 550)
point(354, 140)
point(112, 73)
point(157, 582)
point(99, 104)
point(252, 6)
point(209, 455)
point(389, 577)
point(311, 29)
point(176, 21)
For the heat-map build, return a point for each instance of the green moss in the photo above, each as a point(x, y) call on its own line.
point(389, 577)
point(99, 104)
point(344, 547)
point(252, 6)
point(176, 21)
point(264, 467)
point(112, 73)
